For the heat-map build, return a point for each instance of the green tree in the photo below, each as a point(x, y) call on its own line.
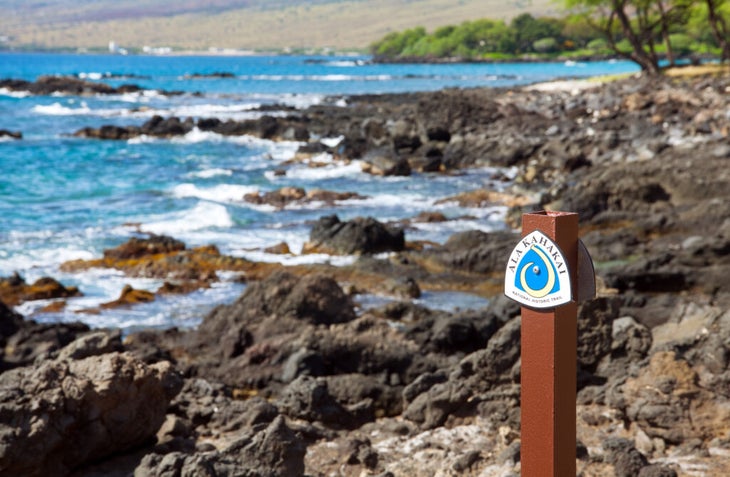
point(545, 45)
point(671, 14)
point(528, 29)
point(640, 30)
point(393, 44)
point(484, 36)
point(718, 16)
point(578, 30)
point(640, 23)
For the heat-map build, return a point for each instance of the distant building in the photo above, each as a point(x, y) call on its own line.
point(116, 49)
point(160, 50)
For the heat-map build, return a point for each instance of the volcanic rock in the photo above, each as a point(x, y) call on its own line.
point(139, 247)
point(166, 258)
point(281, 248)
point(385, 162)
point(130, 296)
point(32, 341)
point(91, 408)
point(288, 195)
point(14, 290)
point(357, 236)
point(309, 398)
point(11, 134)
point(256, 335)
point(476, 251)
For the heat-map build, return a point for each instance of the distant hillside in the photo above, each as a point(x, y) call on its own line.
point(237, 24)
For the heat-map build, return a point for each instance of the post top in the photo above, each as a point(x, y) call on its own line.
point(550, 213)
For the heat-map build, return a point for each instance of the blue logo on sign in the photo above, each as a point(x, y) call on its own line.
point(536, 274)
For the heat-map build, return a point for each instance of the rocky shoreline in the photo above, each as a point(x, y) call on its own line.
point(294, 379)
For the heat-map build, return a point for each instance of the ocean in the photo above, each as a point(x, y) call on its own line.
point(65, 198)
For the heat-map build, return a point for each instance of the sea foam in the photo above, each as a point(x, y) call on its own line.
point(219, 193)
point(202, 216)
point(209, 173)
point(307, 259)
point(57, 109)
point(196, 136)
point(306, 173)
point(14, 94)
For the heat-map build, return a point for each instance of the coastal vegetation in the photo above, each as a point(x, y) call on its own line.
point(646, 32)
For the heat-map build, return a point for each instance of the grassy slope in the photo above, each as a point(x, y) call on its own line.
point(338, 24)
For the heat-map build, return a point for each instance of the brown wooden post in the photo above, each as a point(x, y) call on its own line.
point(548, 375)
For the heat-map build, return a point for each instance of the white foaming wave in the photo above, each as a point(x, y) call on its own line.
point(38, 263)
point(308, 259)
point(196, 136)
point(346, 63)
point(209, 173)
point(40, 251)
point(142, 139)
point(410, 202)
point(322, 158)
point(143, 96)
point(276, 150)
point(14, 94)
point(353, 78)
point(105, 284)
point(203, 111)
point(70, 235)
point(92, 75)
point(296, 100)
point(301, 101)
point(333, 77)
point(68, 254)
point(214, 109)
point(284, 150)
point(57, 109)
point(220, 110)
point(219, 193)
point(7, 139)
point(202, 216)
point(305, 173)
point(253, 239)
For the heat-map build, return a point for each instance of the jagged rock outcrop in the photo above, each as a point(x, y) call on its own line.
point(356, 236)
point(62, 413)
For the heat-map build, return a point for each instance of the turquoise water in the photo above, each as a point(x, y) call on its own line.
point(64, 198)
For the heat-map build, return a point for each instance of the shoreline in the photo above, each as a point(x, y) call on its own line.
point(293, 379)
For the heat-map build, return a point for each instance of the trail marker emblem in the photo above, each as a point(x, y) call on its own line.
point(537, 274)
